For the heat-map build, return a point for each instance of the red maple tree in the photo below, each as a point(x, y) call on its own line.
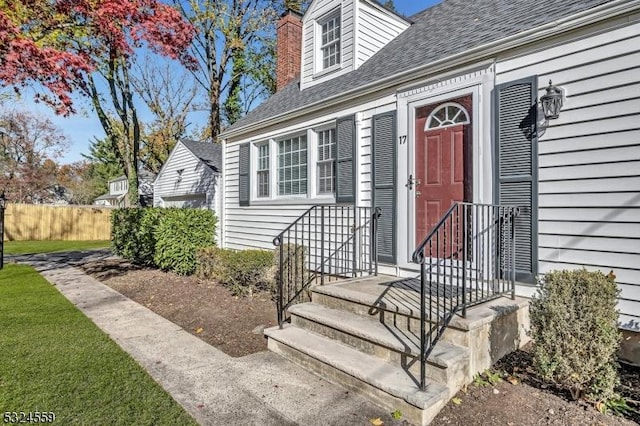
point(52, 44)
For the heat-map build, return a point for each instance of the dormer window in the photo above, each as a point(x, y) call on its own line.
point(330, 41)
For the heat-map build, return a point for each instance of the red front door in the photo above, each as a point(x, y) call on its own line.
point(443, 168)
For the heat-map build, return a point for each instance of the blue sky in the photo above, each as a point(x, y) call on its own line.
point(83, 127)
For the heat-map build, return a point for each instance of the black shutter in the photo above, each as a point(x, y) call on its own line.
point(383, 148)
point(517, 167)
point(244, 166)
point(345, 160)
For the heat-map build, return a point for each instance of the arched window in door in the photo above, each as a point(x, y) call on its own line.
point(447, 114)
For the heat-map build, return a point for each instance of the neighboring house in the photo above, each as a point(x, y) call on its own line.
point(410, 115)
point(119, 188)
point(190, 177)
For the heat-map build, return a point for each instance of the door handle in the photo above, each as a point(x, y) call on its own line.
point(418, 194)
point(411, 181)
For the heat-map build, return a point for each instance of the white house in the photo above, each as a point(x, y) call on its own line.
point(190, 177)
point(119, 188)
point(414, 114)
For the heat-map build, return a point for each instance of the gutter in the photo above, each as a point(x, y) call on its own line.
point(597, 14)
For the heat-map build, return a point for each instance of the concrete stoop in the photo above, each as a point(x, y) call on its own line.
point(351, 335)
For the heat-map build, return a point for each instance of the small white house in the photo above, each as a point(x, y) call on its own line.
point(190, 177)
point(119, 188)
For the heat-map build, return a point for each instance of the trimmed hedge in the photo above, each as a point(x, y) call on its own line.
point(167, 238)
point(125, 233)
point(574, 327)
point(180, 232)
point(242, 272)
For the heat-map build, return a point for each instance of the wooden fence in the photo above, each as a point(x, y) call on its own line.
point(71, 223)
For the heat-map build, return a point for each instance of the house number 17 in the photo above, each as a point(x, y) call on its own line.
point(403, 139)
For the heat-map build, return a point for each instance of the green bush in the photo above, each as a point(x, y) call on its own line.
point(179, 233)
point(242, 272)
point(166, 238)
point(295, 272)
point(146, 235)
point(125, 224)
point(574, 327)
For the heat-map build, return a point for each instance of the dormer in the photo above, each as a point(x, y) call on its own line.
point(340, 35)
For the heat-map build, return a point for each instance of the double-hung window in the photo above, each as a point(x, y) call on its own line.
point(292, 165)
point(263, 171)
point(326, 170)
point(330, 41)
point(299, 166)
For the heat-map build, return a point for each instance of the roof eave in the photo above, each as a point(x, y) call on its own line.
point(596, 14)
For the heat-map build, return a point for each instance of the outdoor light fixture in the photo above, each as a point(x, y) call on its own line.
point(552, 102)
point(3, 205)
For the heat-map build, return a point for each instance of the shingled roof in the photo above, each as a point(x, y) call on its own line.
point(446, 29)
point(209, 153)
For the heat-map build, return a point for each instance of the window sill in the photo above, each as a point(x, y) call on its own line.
point(327, 71)
point(292, 201)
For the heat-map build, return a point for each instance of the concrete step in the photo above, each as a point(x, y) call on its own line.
point(400, 307)
point(389, 386)
point(447, 363)
point(401, 313)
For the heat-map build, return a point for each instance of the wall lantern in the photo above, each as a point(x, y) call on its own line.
point(552, 102)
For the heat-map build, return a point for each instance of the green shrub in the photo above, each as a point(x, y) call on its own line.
point(179, 233)
point(146, 235)
point(573, 325)
point(295, 272)
point(162, 237)
point(242, 272)
point(125, 224)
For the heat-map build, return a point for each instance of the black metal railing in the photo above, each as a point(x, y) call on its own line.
point(468, 258)
point(326, 243)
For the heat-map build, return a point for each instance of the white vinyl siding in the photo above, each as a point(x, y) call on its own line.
point(589, 158)
point(196, 186)
point(376, 28)
point(255, 226)
point(311, 66)
point(119, 187)
point(365, 29)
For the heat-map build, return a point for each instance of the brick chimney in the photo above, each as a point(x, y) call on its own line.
point(288, 48)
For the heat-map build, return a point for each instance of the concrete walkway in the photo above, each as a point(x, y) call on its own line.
point(260, 389)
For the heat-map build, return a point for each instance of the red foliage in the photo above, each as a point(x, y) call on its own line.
point(114, 27)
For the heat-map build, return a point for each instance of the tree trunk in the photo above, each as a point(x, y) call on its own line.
point(214, 112)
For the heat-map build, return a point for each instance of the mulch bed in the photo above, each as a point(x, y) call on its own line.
point(203, 308)
point(521, 398)
point(234, 325)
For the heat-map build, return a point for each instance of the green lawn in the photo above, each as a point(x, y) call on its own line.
point(33, 247)
point(54, 359)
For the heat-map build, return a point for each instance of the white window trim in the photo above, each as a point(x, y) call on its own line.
point(317, 130)
point(256, 147)
point(318, 58)
point(432, 116)
point(312, 196)
point(276, 178)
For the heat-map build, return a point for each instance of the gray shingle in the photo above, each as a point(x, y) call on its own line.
point(209, 153)
point(448, 28)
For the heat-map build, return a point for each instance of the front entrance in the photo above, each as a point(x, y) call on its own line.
point(443, 161)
